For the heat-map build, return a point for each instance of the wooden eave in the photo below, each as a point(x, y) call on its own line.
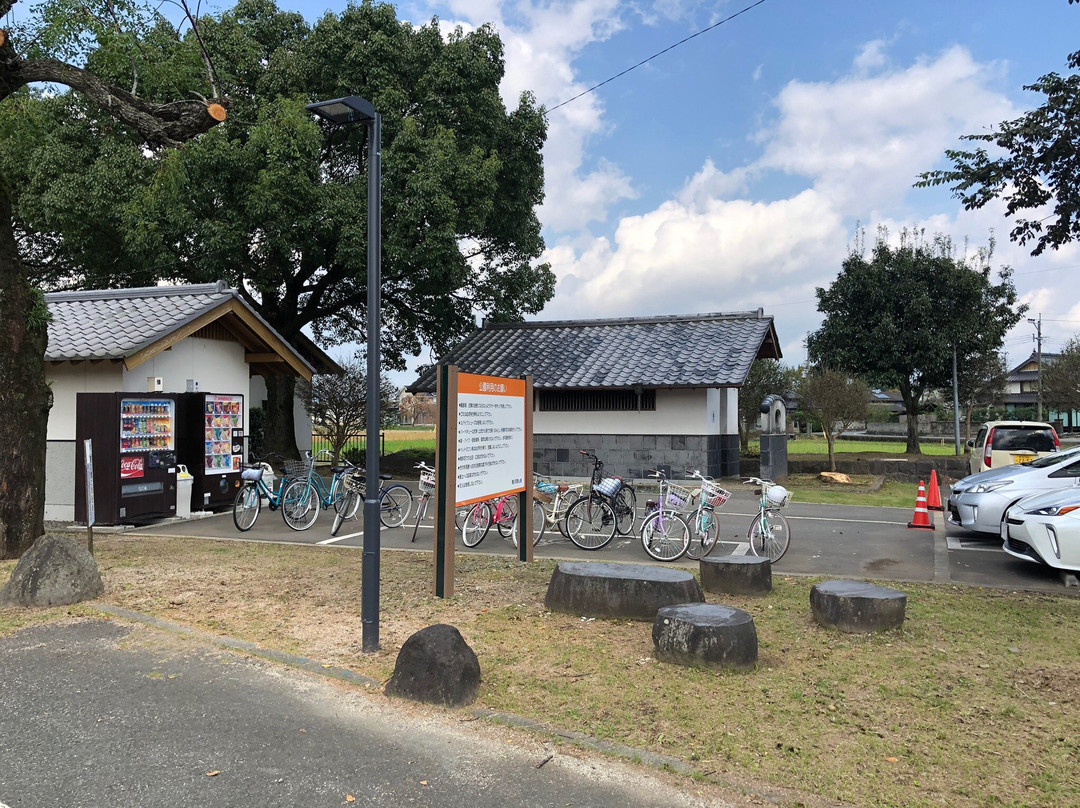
point(264, 350)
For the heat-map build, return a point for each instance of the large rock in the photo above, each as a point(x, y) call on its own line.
point(437, 666)
point(632, 591)
point(55, 571)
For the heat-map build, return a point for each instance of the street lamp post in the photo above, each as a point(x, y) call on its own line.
point(343, 111)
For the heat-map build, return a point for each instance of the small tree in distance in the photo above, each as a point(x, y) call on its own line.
point(837, 400)
point(338, 404)
point(1061, 379)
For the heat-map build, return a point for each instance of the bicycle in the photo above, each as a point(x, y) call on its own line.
point(665, 535)
point(395, 500)
point(560, 497)
point(248, 501)
point(302, 498)
point(479, 517)
point(704, 528)
point(769, 534)
point(619, 493)
point(427, 488)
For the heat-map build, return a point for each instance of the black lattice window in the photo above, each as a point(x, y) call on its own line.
point(595, 400)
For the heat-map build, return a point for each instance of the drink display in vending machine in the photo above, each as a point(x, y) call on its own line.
point(133, 439)
point(211, 445)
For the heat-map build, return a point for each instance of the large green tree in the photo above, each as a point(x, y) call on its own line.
point(896, 317)
point(276, 203)
point(134, 92)
point(1032, 163)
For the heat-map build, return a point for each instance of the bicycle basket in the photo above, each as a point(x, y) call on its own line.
point(609, 486)
point(778, 496)
point(355, 482)
point(427, 481)
point(252, 475)
point(677, 496)
point(712, 494)
point(295, 469)
point(540, 496)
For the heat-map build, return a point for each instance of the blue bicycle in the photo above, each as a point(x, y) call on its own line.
point(248, 502)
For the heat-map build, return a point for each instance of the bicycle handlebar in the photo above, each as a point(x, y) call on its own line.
point(757, 481)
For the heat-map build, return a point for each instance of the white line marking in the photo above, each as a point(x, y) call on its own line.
point(335, 539)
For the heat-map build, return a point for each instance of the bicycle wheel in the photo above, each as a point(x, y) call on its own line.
point(476, 524)
point(539, 521)
point(337, 493)
point(665, 536)
point(590, 523)
point(769, 535)
point(703, 533)
point(538, 524)
point(300, 505)
point(625, 507)
point(245, 509)
point(349, 506)
point(507, 516)
point(395, 502)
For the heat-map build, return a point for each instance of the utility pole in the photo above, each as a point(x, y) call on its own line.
point(1038, 343)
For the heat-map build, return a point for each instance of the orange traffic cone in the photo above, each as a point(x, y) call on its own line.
point(922, 516)
point(933, 496)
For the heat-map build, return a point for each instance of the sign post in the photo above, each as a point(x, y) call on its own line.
point(88, 459)
point(481, 454)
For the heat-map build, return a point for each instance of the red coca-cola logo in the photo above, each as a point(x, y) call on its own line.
point(131, 467)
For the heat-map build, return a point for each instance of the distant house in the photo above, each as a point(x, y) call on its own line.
point(1022, 389)
point(169, 339)
point(640, 392)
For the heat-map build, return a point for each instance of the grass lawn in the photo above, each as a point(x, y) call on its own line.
point(972, 703)
point(819, 446)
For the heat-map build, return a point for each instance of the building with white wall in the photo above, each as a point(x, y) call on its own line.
point(169, 339)
point(640, 392)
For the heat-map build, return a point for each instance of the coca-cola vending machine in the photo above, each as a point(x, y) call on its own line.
point(133, 444)
point(210, 427)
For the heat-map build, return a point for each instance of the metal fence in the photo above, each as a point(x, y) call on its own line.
point(355, 442)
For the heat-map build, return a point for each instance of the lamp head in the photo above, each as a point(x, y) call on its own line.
point(350, 109)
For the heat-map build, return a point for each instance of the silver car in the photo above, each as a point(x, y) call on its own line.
point(979, 502)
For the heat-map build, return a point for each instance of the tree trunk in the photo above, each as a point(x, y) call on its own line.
point(280, 433)
point(911, 404)
point(832, 450)
point(25, 398)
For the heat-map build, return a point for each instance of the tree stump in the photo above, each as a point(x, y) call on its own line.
point(856, 606)
point(631, 591)
point(706, 634)
point(736, 575)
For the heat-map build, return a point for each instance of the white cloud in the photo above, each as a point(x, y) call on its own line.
point(723, 244)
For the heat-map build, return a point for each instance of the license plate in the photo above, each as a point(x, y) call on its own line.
point(1022, 458)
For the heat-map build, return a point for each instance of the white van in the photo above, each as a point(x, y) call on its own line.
point(1002, 443)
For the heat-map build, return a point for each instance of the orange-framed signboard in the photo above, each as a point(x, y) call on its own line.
point(490, 437)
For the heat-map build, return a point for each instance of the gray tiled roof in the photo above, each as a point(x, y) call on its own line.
point(699, 350)
point(117, 323)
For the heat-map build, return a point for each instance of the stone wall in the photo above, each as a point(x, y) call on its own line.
point(633, 456)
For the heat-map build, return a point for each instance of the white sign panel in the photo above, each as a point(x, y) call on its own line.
point(89, 460)
point(490, 437)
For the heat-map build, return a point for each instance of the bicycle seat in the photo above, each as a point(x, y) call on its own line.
point(563, 488)
point(339, 469)
point(386, 476)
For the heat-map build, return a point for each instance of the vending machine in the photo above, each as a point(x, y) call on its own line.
point(211, 445)
point(133, 449)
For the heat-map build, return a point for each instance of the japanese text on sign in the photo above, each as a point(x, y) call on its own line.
point(490, 437)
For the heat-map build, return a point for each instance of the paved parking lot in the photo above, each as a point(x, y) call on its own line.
point(832, 540)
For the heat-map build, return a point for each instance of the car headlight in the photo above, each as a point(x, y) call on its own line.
point(986, 488)
point(1053, 510)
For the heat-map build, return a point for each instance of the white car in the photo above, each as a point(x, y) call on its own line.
point(979, 502)
point(1045, 529)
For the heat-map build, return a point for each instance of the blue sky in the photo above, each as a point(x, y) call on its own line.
point(730, 173)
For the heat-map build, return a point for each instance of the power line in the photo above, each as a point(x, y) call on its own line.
point(658, 53)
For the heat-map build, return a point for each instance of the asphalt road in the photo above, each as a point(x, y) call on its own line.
point(95, 714)
point(832, 540)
